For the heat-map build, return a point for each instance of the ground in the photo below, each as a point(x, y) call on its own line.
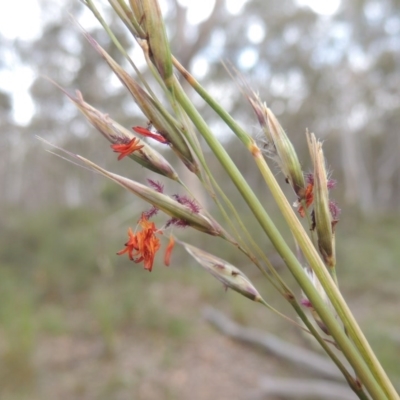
point(78, 326)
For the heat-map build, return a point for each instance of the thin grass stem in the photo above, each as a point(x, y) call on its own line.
point(305, 244)
point(281, 246)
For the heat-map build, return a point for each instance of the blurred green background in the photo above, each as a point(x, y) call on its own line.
point(79, 322)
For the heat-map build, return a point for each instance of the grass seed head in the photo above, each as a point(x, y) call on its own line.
point(157, 38)
point(163, 202)
point(289, 161)
point(116, 133)
point(322, 213)
point(230, 276)
point(149, 109)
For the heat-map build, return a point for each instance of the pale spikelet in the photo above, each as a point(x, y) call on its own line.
point(289, 161)
point(150, 109)
point(230, 276)
point(163, 202)
point(322, 213)
point(277, 145)
point(157, 37)
point(116, 133)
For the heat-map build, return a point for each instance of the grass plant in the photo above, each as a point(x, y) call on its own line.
point(310, 214)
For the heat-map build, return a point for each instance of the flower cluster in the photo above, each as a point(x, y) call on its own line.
point(126, 147)
point(309, 198)
point(142, 246)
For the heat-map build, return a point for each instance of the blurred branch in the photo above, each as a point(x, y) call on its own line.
point(287, 388)
point(273, 345)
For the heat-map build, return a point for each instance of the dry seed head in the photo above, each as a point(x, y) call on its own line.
point(141, 97)
point(149, 109)
point(230, 276)
point(277, 145)
point(163, 202)
point(147, 156)
point(116, 133)
point(157, 37)
point(260, 110)
point(323, 218)
point(289, 161)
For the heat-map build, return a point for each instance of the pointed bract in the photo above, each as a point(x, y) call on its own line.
point(150, 109)
point(307, 303)
point(277, 146)
point(322, 213)
point(230, 276)
point(289, 161)
point(157, 37)
point(163, 202)
point(117, 134)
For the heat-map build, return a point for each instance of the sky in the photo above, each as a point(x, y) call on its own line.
point(16, 78)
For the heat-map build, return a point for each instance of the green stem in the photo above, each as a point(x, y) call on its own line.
point(305, 244)
point(281, 246)
point(350, 380)
point(326, 281)
point(96, 13)
point(127, 16)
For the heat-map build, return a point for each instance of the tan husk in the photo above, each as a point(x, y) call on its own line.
point(165, 203)
point(287, 154)
point(230, 276)
point(114, 132)
point(157, 38)
point(323, 219)
point(149, 108)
